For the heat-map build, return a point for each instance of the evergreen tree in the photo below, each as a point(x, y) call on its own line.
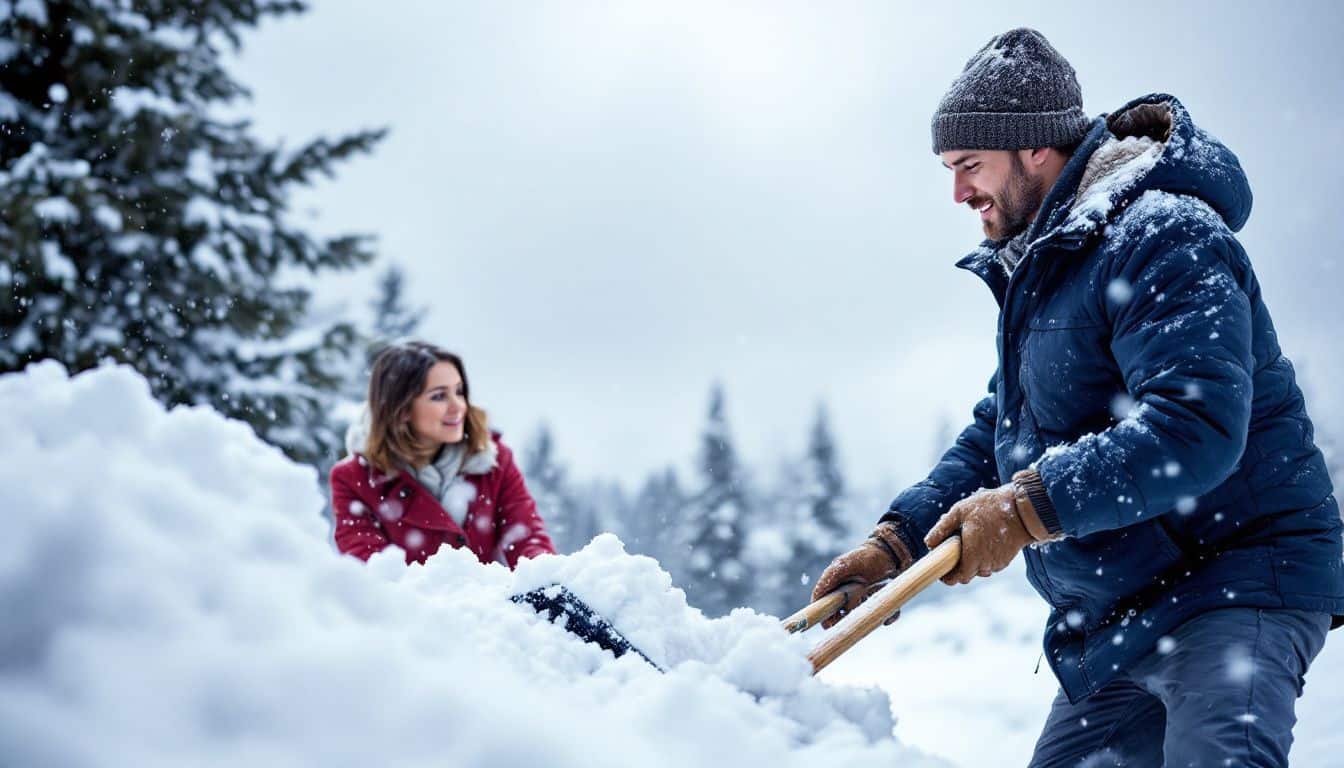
point(717, 579)
point(651, 523)
point(570, 524)
point(392, 319)
point(141, 227)
point(807, 525)
point(772, 544)
point(599, 505)
point(821, 533)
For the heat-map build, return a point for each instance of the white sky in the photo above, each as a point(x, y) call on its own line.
point(607, 206)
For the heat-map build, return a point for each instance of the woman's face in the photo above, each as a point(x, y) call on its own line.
point(439, 413)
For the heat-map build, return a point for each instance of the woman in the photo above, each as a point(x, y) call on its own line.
point(425, 470)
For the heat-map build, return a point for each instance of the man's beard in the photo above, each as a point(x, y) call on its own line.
point(1017, 204)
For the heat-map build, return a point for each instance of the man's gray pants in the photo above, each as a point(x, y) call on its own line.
point(1219, 691)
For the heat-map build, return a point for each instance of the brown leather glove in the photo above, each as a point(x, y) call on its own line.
point(994, 525)
point(881, 556)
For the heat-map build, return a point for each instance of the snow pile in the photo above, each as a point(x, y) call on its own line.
point(966, 659)
point(170, 597)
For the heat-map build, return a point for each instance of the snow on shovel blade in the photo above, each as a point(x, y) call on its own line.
point(580, 620)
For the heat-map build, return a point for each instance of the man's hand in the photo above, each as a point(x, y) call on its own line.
point(882, 556)
point(992, 532)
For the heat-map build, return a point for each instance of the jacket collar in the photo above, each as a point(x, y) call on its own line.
point(1108, 171)
point(479, 463)
point(984, 261)
point(398, 494)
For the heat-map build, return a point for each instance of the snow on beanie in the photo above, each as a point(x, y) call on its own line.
point(1015, 93)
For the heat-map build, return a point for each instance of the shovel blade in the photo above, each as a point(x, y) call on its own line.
point(580, 619)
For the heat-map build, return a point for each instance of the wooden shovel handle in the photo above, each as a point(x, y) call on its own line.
point(885, 602)
point(823, 608)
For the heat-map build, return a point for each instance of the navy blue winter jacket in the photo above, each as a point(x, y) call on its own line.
point(1140, 374)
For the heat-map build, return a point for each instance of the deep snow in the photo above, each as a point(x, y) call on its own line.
point(170, 597)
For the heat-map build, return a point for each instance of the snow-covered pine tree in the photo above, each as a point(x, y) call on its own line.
point(822, 533)
point(772, 545)
point(718, 520)
point(807, 524)
point(139, 226)
point(569, 523)
point(391, 321)
point(651, 524)
point(599, 505)
point(392, 318)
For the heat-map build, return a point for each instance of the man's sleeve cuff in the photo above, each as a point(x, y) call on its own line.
point(888, 535)
point(1028, 483)
point(905, 531)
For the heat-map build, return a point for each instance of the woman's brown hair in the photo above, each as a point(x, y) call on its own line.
point(398, 377)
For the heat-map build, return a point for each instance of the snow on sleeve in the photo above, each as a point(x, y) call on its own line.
point(170, 597)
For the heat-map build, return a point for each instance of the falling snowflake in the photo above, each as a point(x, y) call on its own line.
point(391, 510)
point(1119, 291)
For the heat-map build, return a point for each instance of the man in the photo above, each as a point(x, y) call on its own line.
point(1143, 443)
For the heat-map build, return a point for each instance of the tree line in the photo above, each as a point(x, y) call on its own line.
point(727, 538)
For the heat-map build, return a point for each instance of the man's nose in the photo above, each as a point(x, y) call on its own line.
point(961, 192)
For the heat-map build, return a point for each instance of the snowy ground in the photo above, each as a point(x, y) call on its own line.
point(959, 668)
point(169, 597)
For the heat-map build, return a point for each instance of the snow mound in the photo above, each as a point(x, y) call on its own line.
point(170, 597)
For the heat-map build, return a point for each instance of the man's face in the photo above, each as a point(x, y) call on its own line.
point(997, 185)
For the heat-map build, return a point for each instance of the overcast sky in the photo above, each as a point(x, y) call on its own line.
point(607, 206)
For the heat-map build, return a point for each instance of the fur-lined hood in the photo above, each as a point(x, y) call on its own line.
point(479, 463)
point(1154, 145)
point(1150, 144)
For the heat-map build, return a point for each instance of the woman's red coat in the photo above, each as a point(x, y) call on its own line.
point(374, 510)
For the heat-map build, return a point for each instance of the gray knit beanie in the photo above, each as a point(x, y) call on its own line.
point(1016, 93)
